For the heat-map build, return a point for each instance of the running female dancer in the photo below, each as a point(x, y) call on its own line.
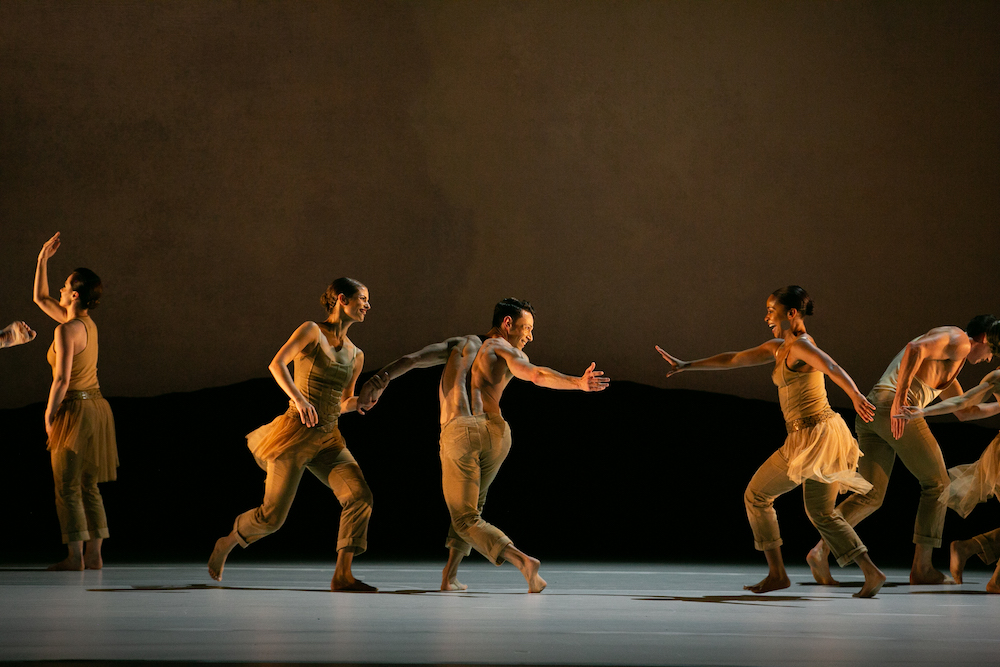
point(973, 483)
point(78, 420)
point(818, 453)
point(306, 436)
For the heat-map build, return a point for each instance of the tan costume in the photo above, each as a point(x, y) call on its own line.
point(975, 483)
point(472, 450)
point(82, 446)
point(917, 449)
point(819, 453)
point(285, 448)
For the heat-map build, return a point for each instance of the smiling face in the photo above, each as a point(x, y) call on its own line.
point(776, 317)
point(519, 332)
point(357, 306)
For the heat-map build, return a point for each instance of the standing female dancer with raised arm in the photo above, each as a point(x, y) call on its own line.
point(819, 452)
point(306, 436)
point(78, 419)
point(973, 483)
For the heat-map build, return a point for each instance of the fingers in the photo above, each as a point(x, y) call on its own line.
point(897, 428)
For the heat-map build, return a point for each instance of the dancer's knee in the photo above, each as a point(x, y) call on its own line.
point(465, 521)
point(755, 500)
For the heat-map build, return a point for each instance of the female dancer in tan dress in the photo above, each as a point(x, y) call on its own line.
point(973, 483)
point(78, 420)
point(819, 452)
point(306, 437)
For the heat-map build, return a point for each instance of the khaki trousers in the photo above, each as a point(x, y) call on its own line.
point(79, 505)
point(472, 450)
point(770, 481)
point(919, 452)
point(990, 543)
point(335, 467)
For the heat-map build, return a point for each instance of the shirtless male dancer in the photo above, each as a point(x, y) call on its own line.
point(475, 439)
point(927, 368)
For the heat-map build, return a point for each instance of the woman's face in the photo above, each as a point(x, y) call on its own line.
point(66, 293)
point(357, 306)
point(776, 317)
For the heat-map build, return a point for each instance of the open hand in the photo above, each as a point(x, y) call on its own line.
point(864, 408)
point(676, 365)
point(16, 333)
point(593, 380)
point(307, 413)
point(908, 413)
point(49, 248)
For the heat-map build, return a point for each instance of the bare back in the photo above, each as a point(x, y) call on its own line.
point(491, 375)
point(453, 392)
point(940, 372)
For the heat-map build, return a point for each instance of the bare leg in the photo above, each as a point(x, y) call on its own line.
point(73, 561)
point(961, 551)
point(343, 580)
point(777, 577)
point(923, 571)
point(873, 577)
point(993, 585)
point(92, 554)
point(527, 565)
point(217, 560)
point(819, 564)
point(449, 576)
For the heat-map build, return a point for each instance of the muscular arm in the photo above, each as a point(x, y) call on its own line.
point(434, 354)
point(65, 347)
point(968, 406)
point(807, 351)
point(522, 369)
point(755, 356)
point(943, 343)
point(307, 334)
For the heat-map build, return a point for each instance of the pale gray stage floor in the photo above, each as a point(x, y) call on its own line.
point(591, 614)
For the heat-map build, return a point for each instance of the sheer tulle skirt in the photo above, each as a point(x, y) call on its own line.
point(287, 433)
point(86, 427)
point(826, 452)
point(974, 483)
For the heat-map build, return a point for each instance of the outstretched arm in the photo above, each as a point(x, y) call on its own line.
point(49, 306)
point(942, 343)
point(808, 352)
point(432, 355)
point(755, 356)
point(522, 369)
point(968, 406)
point(16, 333)
point(306, 334)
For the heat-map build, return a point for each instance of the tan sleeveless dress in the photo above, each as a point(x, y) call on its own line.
point(84, 423)
point(819, 445)
point(321, 380)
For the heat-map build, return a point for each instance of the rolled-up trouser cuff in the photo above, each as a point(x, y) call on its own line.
point(988, 555)
point(765, 546)
point(851, 556)
point(460, 546)
point(933, 542)
point(86, 535)
point(358, 547)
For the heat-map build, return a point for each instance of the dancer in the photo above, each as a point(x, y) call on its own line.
point(475, 439)
point(327, 365)
point(16, 333)
point(819, 452)
point(927, 368)
point(972, 483)
point(78, 420)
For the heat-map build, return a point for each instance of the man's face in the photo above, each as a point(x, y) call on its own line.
point(520, 330)
point(980, 351)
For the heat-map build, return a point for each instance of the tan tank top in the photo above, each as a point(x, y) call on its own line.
point(322, 380)
point(799, 394)
point(83, 373)
point(919, 394)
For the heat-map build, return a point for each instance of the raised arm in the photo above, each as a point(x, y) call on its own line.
point(434, 354)
point(969, 405)
point(943, 343)
point(307, 334)
point(522, 369)
point(807, 351)
point(49, 306)
point(755, 356)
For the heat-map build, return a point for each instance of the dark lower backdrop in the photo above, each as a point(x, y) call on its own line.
point(635, 473)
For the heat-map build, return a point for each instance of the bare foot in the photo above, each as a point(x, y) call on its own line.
point(993, 585)
point(217, 561)
point(769, 583)
point(926, 577)
point(961, 551)
point(819, 565)
point(352, 586)
point(535, 583)
point(70, 564)
point(452, 585)
point(93, 562)
point(873, 584)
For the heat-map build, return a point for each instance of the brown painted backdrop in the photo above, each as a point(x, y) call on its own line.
point(644, 172)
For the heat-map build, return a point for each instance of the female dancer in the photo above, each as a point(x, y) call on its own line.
point(78, 420)
point(818, 453)
point(973, 483)
point(306, 436)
